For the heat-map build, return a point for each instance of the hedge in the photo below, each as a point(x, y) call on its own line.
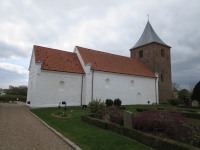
point(190, 107)
point(147, 139)
point(142, 109)
point(191, 115)
point(96, 122)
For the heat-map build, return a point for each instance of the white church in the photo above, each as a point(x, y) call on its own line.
point(85, 74)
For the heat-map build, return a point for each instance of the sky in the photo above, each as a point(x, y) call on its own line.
point(113, 26)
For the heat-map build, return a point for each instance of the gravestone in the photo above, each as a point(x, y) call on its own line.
point(195, 103)
point(127, 116)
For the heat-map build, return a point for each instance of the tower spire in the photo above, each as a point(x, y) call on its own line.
point(148, 36)
point(148, 17)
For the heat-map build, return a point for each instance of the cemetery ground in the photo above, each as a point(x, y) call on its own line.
point(88, 137)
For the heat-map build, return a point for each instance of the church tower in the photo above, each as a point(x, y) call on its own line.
point(156, 54)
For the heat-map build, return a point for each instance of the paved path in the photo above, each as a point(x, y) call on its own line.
point(20, 130)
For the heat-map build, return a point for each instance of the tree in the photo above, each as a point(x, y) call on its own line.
point(183, 96)
point(196, 92)
point(175, 90)
point(20, 90)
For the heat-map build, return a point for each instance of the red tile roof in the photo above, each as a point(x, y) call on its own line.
point(57, 60)
point(107, 62)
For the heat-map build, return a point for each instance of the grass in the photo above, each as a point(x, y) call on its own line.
point(86, 136)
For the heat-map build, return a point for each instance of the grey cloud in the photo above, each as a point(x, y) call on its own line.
point(11, 78)
point(55, 23)
point(8, 51)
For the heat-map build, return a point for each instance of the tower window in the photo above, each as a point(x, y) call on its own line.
point(141, 53)
point(161, 77)
point(162, 52)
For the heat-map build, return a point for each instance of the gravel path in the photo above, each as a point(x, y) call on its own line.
point(19, 130)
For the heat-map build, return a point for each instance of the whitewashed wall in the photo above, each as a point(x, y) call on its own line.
point(32, 79)
point(87, 82)
point(130, 89)
point(47, 91)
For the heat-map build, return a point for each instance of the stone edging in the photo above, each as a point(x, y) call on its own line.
point(73, 145)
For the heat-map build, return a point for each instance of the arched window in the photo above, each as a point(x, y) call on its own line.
point(138, 94)
point(61, 85)
point(107, 82)
point(132, 83)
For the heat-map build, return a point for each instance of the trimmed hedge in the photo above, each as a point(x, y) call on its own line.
point(114, 128)
point(142, 109)
point(96, 122)
point(190, 107)
point(147, 139)
point(191, 115)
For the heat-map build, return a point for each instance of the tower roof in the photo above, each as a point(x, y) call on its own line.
point(148, 36)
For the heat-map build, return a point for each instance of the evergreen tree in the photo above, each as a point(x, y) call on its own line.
point(196, 92)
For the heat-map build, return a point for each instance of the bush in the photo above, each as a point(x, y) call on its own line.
point(117, 102)
point(115, 115)
point(96, 107)
point(109, 102)
point(147, 139)
point(173, 101)
point(168, 122)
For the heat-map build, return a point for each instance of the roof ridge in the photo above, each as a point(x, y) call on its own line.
point(104, 52)
point(49, 48)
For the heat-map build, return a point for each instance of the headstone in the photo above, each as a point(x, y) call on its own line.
point(195, 103)
point(127, 116)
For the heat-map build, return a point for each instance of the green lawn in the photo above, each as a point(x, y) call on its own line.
point(86, 136)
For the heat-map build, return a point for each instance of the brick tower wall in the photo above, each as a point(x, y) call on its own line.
point(157, 56)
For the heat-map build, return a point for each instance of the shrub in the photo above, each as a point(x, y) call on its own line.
point(117, 102)
point(147, 139)
point(96, 107)
point(173, 102)
point(168, 122)
point(109, 102)
point(115, 115)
